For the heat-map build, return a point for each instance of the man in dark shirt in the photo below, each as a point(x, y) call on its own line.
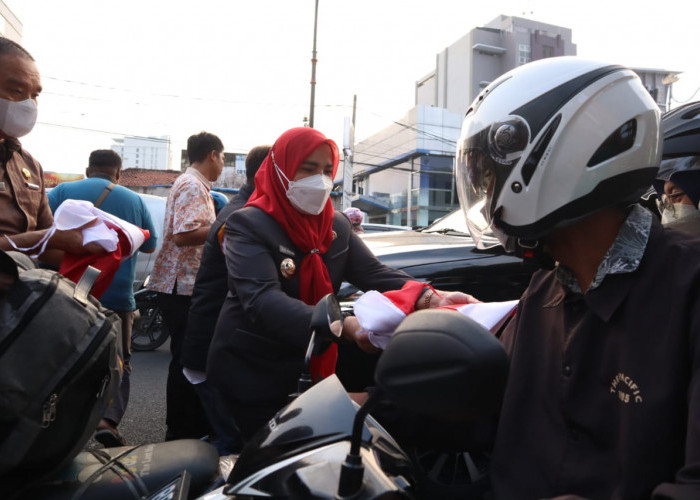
point(603, 399)
point(210, 289)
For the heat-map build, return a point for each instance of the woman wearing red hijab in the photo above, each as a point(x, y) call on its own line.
point(285, 250)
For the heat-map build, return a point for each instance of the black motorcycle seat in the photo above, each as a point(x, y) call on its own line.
point(156, 465)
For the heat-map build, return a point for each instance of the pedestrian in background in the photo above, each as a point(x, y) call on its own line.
point(102, 189)
point(356, 219)
point(678, 181)
point(189, 213)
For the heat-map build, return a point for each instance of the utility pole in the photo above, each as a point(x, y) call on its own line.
point(313, 70)
point(348, 152)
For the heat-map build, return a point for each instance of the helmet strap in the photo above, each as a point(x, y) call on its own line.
point(533, 252)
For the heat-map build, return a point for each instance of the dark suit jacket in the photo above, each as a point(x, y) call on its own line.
point(258, 349)
point(210, 289)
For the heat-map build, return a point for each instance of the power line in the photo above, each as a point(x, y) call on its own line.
point(688, 99)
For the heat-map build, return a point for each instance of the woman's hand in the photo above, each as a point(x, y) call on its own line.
point(451, 298)
point(353, 332)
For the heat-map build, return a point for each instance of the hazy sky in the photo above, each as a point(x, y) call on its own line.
point(241, 69)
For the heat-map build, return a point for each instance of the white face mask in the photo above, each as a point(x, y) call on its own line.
point(676, 212)
point(17, 119)
point(308, 195)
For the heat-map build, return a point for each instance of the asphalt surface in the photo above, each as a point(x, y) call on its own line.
point(144, 420)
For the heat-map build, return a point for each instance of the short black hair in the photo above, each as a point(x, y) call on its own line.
point(200, 145)
point(253, 160)
point(105, 159)
point(11, 47)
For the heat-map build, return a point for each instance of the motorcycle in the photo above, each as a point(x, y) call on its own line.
point(439, 364)
point(149, 331)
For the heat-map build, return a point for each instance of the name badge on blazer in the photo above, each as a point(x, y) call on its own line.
point(286, 251)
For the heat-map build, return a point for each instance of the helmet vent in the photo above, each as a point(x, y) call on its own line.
point(534, 159)
point(618, 142)
point(691, 114)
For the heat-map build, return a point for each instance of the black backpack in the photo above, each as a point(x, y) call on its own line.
point(59, 368)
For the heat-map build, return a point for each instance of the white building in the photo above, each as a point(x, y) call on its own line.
point(144, 152)
point(10, 26)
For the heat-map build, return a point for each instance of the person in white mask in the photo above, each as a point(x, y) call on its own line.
point(285, 250)
point(678, 181)
point(25, 214)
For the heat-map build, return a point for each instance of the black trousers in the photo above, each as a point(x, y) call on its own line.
point(185, 417)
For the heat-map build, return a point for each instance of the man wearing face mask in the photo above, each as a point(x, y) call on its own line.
point(25, 214)
point(678, 181)
point(23, 202)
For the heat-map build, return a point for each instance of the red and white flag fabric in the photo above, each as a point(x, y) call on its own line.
point(380, 313)
point(119, 238)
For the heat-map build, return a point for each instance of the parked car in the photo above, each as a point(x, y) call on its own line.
point(371, 227)
point(444, 255)
point(144, 261)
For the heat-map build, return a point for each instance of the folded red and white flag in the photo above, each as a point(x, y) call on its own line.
point(119, 238)
point(380, 313)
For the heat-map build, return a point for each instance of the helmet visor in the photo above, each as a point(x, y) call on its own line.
point(481, 172)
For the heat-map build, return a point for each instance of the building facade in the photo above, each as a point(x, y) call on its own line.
point(404, 174)
point(10, 25)
point(464, 68)
point(144, 152)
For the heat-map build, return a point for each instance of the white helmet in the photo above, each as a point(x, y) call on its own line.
point(553, 141)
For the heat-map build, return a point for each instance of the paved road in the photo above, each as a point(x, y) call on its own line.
point(144, 420)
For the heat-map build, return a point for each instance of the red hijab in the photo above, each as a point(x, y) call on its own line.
point(312, 234)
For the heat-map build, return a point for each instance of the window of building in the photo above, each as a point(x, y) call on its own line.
point(359, 185)
point(547, 51)
point(524, 53)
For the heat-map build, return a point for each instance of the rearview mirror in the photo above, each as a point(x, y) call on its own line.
point(327, 319)
point(445, 365)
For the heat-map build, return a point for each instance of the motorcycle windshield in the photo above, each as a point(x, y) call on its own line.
point(321, 415)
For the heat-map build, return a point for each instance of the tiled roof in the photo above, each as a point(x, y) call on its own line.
point(141, 177)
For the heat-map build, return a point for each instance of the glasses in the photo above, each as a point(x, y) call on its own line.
point(666, 201)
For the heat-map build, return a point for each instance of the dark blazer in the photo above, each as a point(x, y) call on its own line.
point(210, 289)
point(257, 353)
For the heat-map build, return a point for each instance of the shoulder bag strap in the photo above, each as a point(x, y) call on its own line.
point(104, 194)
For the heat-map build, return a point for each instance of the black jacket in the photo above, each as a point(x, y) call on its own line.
point(603, 398)
point(257, 353)
point(210, 289)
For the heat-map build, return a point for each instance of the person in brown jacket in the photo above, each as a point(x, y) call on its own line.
point(603, 399)
point(24, 209)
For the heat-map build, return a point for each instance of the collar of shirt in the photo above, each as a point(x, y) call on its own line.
point(196, 173)
point(623, 256)
point(8, 147)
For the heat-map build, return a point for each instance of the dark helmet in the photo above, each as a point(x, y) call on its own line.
point(681, 150)
point(681, 129)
